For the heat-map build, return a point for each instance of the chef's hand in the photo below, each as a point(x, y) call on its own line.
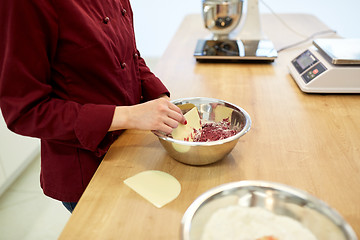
point(159, 114)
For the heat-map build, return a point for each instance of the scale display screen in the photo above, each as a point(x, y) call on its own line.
point(304, 61)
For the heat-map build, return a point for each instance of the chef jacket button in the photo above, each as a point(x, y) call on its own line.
point(136, 55)
point(106, 20)
point(123, 11)
point(123, 65)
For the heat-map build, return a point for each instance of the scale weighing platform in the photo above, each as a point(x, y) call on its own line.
point(235, 50)
point(330, 66)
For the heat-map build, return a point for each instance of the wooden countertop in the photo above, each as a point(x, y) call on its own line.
point(308, 141)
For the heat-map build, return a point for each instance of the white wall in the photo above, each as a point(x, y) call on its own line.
point(16, 152)
point(156, 21)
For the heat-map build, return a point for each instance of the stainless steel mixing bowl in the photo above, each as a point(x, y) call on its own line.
point(201, 153)
point(221, 16)
point(323, 221)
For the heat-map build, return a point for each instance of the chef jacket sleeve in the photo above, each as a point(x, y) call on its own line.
point(27, 46)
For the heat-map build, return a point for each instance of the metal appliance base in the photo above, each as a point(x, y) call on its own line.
point(235, 50)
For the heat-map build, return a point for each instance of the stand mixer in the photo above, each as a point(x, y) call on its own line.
point(228, 42)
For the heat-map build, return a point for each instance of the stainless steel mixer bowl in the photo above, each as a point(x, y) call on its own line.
point(221, 16)
point(315, 215)
point(201, 153)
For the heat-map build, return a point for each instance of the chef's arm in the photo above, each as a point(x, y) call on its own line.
point(159, 114)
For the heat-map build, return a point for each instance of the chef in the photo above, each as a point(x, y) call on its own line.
point(72, 76)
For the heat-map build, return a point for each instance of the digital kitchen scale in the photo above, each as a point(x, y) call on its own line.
point(262, 50)
point(330, 66)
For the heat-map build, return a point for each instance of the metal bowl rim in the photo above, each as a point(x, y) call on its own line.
point(199, 201)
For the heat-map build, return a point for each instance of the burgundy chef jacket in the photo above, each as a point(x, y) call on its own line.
point(64, 66)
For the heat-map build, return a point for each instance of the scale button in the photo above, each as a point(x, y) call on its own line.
point(315, 71)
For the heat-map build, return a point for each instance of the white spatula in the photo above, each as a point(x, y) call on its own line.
point(186, 132)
